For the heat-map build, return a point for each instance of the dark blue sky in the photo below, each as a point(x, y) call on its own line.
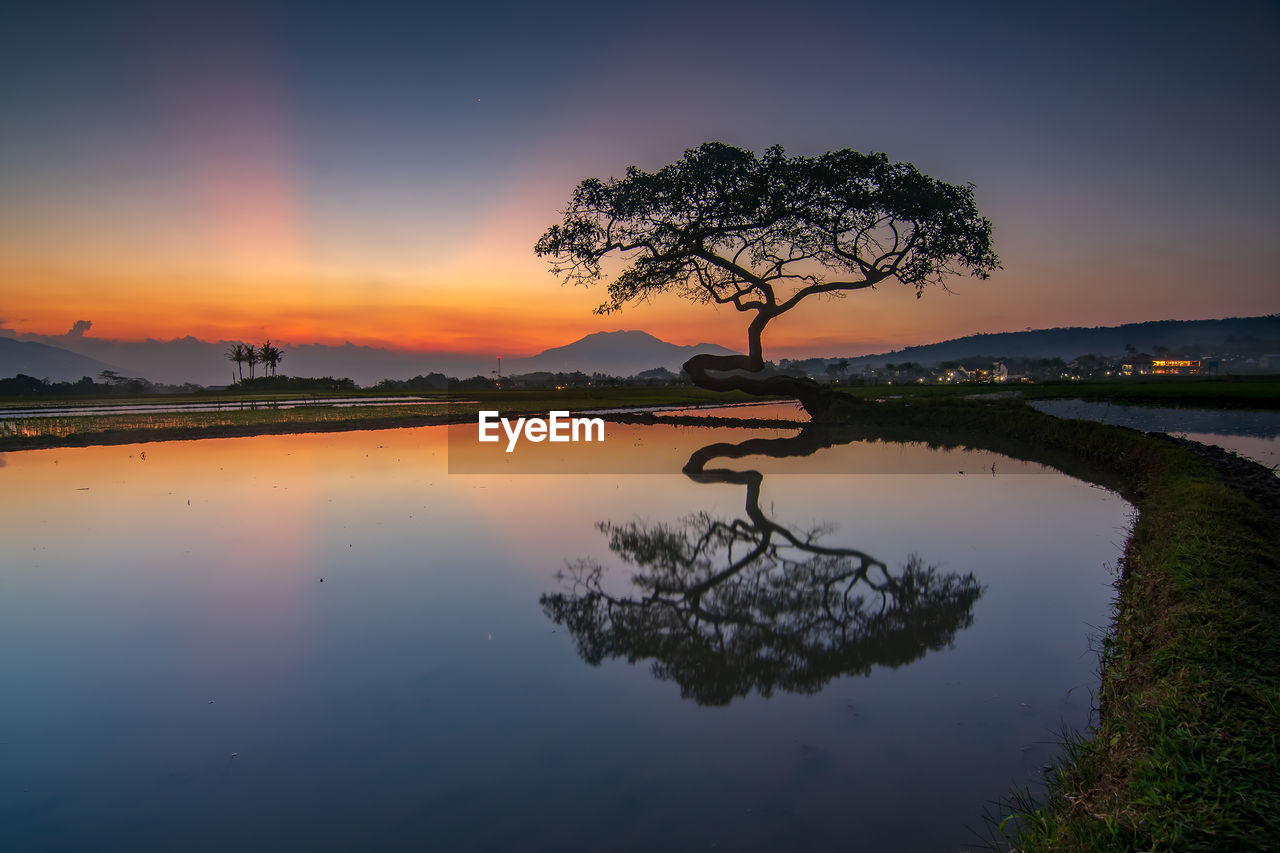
point(394, 157)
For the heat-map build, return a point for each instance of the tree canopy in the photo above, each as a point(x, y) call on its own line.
point(762, 233)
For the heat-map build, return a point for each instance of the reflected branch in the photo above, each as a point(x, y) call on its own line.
point(722, 607)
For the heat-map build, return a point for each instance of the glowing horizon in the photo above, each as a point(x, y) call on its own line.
point(263, 173)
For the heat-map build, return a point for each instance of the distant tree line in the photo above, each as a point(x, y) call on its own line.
point(658, 376)
point(429, 382)
point(110, 383)
point(298, 383)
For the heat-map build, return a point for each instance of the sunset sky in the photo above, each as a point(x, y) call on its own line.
point(378, 172)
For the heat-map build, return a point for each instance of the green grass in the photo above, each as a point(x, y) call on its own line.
point(1186, 754)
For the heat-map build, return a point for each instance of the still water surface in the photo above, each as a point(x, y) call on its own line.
point(45, 410)
point(177, 676)
point(1252, 434)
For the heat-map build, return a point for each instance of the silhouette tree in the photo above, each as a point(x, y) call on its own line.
point(270, 357)
point(251, 358)
point(762, 234)
point(237, 353)
point(724, 607)
point(131, 384)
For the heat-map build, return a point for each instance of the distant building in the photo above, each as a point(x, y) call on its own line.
point(1161, 366)
point(1175, 366)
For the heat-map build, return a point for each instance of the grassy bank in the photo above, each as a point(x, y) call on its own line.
point(1186, 754)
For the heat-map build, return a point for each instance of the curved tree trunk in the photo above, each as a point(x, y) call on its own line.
point(819, 401)
point(700, 366)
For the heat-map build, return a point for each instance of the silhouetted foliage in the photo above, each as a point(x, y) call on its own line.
point(1092, 365)
point(724, 607)
point(429, 382)
point(270, 357)
point(724, 226)
point(124, 384)
point(238, 353)
point(113, 384)
point(23, 385)
point(549, 379)
point(475, 383)
point(298, 383)
point(660, 376)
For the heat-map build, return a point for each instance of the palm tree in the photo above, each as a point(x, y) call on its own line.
point(251, 356)
point(236, 353)
point(270, 356)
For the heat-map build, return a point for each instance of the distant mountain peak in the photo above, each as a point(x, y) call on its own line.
point(636, 333)
point(45, 361)
point(621, 352)
point(615, 336)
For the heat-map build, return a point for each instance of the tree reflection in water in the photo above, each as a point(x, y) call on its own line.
point(722, 607)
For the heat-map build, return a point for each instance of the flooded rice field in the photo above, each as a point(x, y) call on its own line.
point(331, 642)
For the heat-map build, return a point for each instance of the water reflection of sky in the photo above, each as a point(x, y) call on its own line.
point(663, 448)
point(44, 410)
point(160, 614)
point(1253, 434)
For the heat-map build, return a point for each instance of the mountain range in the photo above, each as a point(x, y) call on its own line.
point(42, 360)
point(1237, 335)
point(69, 357)
point(618, 353)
